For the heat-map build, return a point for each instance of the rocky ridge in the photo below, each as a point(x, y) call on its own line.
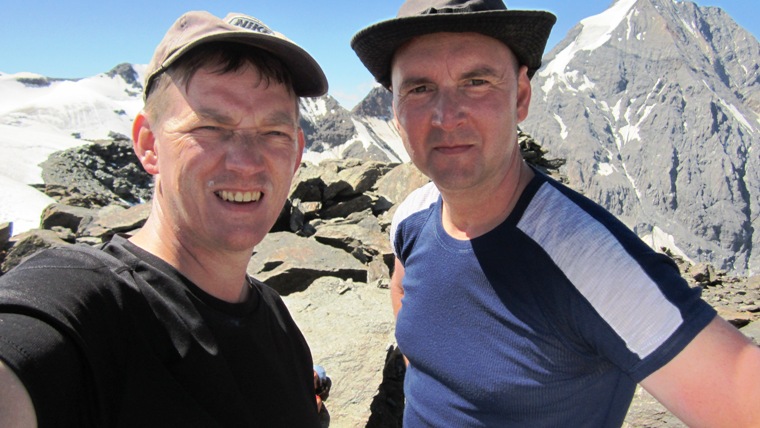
point(328, 255)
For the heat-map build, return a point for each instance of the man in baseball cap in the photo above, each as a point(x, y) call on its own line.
point(519, 302)
point(164, 327)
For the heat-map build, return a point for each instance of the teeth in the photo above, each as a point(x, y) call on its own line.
point(239, 196)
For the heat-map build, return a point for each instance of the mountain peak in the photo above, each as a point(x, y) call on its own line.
point(654, 105)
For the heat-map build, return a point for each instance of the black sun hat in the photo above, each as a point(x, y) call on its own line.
point(525, 32)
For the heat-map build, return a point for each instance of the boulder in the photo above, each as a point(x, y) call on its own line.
point(349, 327)
point(68, 216)
point(112, 220)
point(27, 244)
point(290, 263)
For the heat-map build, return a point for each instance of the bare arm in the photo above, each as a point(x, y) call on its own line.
point(16, 409)
point(714, 381)
point(397, 289)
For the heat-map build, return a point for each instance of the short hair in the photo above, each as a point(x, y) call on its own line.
point(224, 57)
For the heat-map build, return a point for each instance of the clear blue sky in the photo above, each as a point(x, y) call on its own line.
point(74, 39)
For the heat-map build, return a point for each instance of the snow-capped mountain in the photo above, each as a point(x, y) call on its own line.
point(39, 115)
point(366, 133)
point(655, 104)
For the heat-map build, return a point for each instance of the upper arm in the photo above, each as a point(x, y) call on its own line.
point(714, 381)
point(396, 286)
point(16, 409)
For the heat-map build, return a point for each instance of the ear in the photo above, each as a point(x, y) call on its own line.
point(144, 142)
point(524, 92)
point(299, 154)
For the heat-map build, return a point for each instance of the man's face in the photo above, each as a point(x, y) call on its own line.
point(457, 100)
point(227, 148)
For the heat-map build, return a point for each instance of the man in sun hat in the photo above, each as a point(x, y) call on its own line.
point(519, 302)
point(164, 327)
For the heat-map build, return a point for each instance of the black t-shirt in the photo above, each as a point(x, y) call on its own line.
point(138, 344)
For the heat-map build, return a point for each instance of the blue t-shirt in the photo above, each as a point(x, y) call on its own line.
point(548, 320)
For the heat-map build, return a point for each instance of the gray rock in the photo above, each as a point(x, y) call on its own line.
point(290, 263)
point(107, 172)
point(752, 330)
point(6, 231)
point(396, 185)
point(62, 215)
point(112, 220)
point(349, 327)
point(29, 243)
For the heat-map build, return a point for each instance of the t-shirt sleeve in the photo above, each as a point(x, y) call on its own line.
point(629, 304)
point(420, 199)
point(61, 333)
point(47, 364)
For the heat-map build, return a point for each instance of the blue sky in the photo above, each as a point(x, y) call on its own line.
point(73, 39)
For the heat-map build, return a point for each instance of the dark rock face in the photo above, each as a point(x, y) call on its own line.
point(326, 123)
point(376, 104)
point(128, 73)
point(97, 175)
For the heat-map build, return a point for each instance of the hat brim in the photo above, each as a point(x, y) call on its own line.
point(308, 78)
point(525, 32)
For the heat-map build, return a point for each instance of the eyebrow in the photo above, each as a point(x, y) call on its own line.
point(480, 71)
point(214, 115)
point(275, 118)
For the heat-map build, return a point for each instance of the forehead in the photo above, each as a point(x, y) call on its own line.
point(234, 95)
point(432, 49)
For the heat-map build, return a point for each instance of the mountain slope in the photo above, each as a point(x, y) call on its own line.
point(367, 132)
point(655, 104)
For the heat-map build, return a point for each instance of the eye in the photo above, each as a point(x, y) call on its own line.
point(280, 134)
point(476, 82)
point(419, 89)
point(212, 133)
point(208, 129)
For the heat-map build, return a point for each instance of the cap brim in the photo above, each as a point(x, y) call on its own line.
point(308, 77)
point(524, 32)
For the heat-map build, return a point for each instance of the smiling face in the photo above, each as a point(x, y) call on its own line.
point(457, 100)
point(224, 153)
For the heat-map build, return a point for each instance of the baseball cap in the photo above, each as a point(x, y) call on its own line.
point(198, 27)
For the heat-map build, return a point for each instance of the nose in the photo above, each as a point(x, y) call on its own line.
point(244, 154)
point(448, 112)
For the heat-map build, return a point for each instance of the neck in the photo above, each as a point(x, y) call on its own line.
point(220, 274)
point(467, 215)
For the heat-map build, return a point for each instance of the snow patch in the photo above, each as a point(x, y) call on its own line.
point(562, 128)
point(738, 115)
point(596, 31)
point(658, 239)
point(313, 107)
point(25, 215)
point(604, 169)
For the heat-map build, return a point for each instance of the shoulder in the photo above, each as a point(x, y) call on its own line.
point(64, 280)
point(615, 274)
point(54, 261)
point(421, 199)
